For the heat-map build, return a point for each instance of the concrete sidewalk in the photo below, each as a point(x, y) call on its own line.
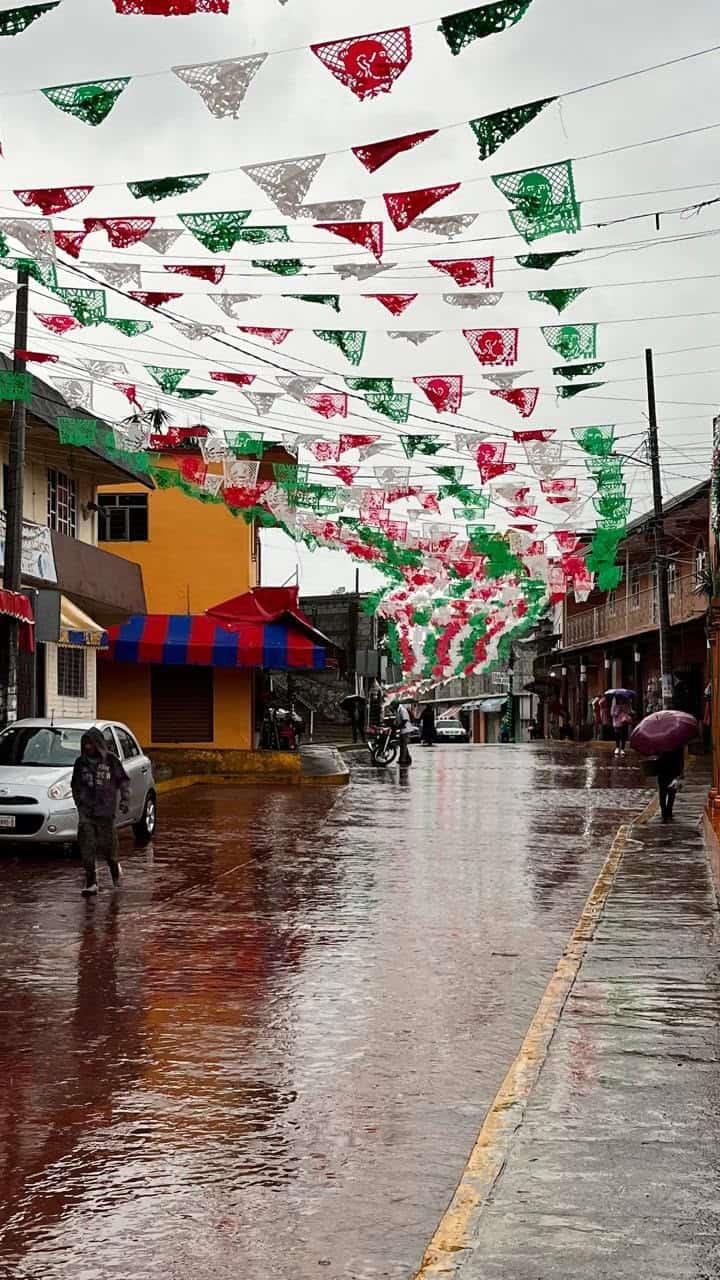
point(610, 1167)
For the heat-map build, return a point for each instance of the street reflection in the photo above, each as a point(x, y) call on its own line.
point(273, 1050)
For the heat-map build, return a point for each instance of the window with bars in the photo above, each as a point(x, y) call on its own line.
point(123, 517)
point(672, 576)
point(62, 503)
point(634, 587)
point(71, 681)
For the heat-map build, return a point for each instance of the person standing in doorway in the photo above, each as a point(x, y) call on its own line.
point(621, 720)
point(99, 784)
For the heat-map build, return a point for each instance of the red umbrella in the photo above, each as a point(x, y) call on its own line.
point(663, 731)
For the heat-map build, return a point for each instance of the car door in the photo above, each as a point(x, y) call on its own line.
point(136, 768)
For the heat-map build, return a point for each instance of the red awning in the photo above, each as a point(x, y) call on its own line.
point(13, 604)
point(265, 605)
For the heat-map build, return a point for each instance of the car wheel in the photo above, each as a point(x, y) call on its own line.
point(145, 829)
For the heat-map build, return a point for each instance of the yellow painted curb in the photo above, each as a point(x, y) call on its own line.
point(252, 780)
point(651, 808)
point(177, 784)
point(454, 1235)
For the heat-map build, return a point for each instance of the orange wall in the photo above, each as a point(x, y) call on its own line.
point(233, 704)
point(124, 694)
point(197, 555)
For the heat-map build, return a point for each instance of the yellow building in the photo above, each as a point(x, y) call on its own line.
point(192, 554)
point(181, 679)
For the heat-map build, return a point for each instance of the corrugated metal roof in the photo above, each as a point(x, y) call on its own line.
point(48, 405)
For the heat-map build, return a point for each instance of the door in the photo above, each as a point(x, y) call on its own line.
point(137, 770)
point(181, 705)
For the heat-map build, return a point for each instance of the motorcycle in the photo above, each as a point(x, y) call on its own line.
point(281, 730)
point(384, 743)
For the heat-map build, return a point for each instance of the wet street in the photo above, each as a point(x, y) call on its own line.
point(271, 1053)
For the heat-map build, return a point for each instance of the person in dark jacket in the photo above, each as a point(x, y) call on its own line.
point(354, 706)
point(98, 782)
point(669, 770)
point(428, 732)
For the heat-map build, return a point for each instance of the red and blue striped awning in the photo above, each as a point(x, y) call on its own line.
point(195, 640)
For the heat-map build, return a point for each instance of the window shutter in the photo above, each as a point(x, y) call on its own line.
point(182, 704)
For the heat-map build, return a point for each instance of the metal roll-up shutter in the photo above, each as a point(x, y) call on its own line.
point(182, 704)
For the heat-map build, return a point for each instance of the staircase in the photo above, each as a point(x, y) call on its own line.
point(322, 696)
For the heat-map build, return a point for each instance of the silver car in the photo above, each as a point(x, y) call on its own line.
point(36, 764)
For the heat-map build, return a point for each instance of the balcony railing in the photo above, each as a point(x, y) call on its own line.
point(632, 615)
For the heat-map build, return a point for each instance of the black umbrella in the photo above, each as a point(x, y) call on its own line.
point(352, 697)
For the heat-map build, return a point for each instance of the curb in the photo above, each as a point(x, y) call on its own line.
point(452, 1242)
point(176, 784)
point(253, 780)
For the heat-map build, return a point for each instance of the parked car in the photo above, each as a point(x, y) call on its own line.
point(36, 764)
point(450, 729)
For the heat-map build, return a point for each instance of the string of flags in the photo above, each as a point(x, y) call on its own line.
point(491, 346)
point(439, 577)
point(543, 202)
point(312, 511)
point(444, 392)
point(458, 589)
point(366, 64)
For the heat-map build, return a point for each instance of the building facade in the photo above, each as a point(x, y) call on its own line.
point(190, 672)
point(75, 590)
point(611, 640)
point(192, 555)
point(495, 702)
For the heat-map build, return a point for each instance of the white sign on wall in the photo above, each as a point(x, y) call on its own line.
point(38, 560)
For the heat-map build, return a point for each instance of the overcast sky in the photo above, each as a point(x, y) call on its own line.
point(633, 272)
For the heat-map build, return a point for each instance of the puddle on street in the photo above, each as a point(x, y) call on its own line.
point(273, 1051)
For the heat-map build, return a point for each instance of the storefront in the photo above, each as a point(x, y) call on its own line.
point(187, 681)
point(486, 717)
point(70, 664)
point(16, 611)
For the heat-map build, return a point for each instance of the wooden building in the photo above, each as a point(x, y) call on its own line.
point(611, 639)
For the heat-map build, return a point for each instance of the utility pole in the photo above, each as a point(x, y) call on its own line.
point(12, 568)
point(511, 705)
point(353, 629)
point(659, 540)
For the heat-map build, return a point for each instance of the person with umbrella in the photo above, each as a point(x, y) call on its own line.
point(354, 707)
point(670, 765)
point(621, 717)
point(664, 735)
